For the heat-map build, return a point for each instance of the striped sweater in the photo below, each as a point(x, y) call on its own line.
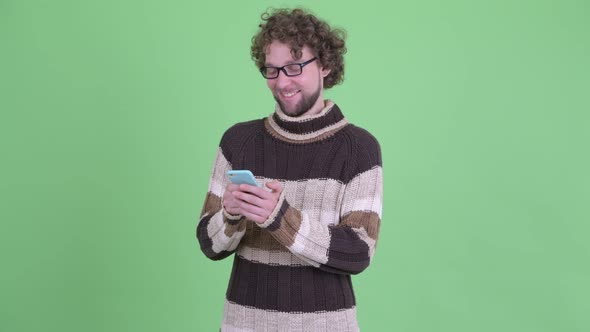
point(292, 272)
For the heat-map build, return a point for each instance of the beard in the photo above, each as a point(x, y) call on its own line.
point(304, 105)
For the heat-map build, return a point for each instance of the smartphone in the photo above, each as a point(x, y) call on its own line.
point(242, 177)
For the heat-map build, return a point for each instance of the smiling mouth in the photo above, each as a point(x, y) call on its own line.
point(289, 94)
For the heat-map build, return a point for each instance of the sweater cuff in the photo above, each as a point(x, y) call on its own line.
point(273, 216)
point(232, 217)
point(229, 216)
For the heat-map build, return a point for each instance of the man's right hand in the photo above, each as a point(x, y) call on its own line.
point(230, 202)
point(252, 202)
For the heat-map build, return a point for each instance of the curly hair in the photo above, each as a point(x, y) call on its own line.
point(299, 28)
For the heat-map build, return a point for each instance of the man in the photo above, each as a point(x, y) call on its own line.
point(316, 222)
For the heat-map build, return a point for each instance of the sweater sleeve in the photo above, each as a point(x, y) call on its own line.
point(219, 232)
point(348, 244)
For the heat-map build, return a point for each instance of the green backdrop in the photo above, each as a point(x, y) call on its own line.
point(111, 112)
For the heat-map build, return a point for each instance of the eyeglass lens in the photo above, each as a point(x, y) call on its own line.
point(291, 70)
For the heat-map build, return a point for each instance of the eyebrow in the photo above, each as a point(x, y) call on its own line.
point(292, 62)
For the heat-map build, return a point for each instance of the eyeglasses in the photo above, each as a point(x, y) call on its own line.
point(292, 69)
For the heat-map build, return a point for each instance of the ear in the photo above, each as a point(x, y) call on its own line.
point(325, 71)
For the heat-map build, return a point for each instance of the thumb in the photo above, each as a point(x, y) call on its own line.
point(275, 186)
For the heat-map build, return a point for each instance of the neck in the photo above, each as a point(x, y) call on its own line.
point(307, 127)
point(319, 106)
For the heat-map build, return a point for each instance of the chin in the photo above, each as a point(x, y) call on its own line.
point(294, 112)
point(300, 107)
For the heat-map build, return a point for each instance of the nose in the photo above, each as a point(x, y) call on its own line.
point(282, 80)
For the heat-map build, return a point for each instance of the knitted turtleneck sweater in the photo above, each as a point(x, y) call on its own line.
point(292, 273)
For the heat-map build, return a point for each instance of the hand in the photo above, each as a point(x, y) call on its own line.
point(252, 202)
point(230, 203)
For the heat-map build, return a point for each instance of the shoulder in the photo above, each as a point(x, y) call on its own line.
point(239, 134)
point(363, 144)
point(363, 151)
point(242, 130)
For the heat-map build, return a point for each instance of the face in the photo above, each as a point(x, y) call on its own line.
point(296, 95)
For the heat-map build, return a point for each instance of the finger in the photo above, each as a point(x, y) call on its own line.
point(256, 191)
point(253, 213)
point(253, 209)
point(232, 187)
point(275, 186)
point(256, 218)
point(249, 198)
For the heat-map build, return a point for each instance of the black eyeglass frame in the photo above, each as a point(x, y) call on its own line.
point(282, 69)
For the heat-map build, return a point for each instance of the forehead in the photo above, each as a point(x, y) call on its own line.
point(278, 53)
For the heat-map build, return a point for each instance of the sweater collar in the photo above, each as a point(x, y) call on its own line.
point(307, 128)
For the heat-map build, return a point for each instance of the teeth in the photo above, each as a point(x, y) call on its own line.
point(289, 94)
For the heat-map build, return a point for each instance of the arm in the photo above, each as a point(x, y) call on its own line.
point(219, 232)
point(346, 247)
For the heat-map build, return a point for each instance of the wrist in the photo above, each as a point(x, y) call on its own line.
point(275, 213)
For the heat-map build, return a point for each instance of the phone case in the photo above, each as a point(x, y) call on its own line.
point(242, 177)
